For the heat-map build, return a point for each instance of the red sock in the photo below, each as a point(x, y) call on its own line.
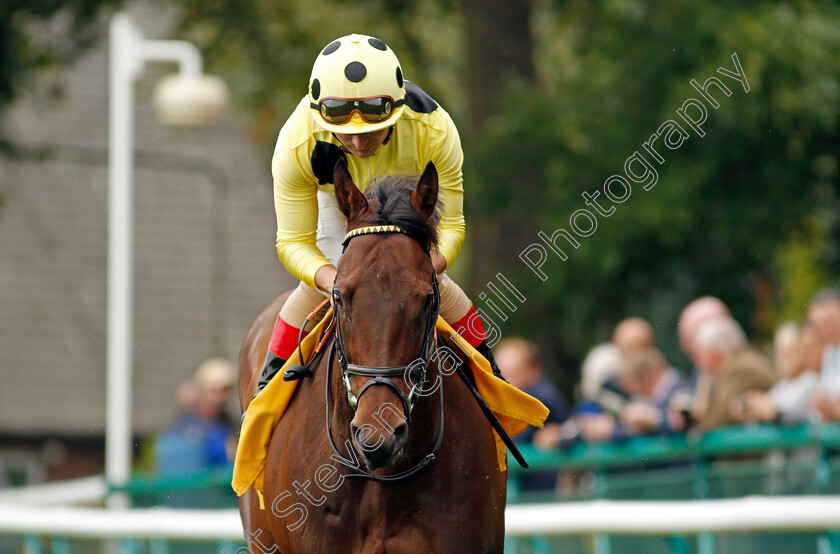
point(284, 339)
point(470, 328)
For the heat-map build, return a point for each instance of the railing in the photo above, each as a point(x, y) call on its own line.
point(650, 450)
point(222, 530)
point(698, 462)
point(724, 464)
point(701, 525)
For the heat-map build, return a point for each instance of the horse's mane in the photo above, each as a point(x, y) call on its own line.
point(391, 206)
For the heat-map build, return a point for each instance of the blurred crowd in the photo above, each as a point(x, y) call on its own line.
point(203, 436)
point(629, 388)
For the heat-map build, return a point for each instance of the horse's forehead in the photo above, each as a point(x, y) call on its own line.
point(383, 255)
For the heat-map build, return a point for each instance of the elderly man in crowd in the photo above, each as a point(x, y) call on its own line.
point(692, 315)
point(720, 350)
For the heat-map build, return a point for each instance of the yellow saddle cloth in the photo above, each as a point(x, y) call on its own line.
point(514, 408)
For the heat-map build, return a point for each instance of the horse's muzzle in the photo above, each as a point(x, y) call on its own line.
point(378, 448)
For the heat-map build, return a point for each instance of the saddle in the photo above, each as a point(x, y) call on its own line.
point(511, 409)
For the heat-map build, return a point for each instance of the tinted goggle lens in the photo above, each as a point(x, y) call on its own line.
point(372, 110)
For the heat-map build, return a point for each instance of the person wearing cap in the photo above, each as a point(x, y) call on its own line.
point(216, 378)
point(361, 109)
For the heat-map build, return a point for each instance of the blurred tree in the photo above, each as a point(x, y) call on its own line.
point(266, 48)
point(39, 35)
point(499, 49)
point(552, 98)
point(801, 268)
point(608, 74)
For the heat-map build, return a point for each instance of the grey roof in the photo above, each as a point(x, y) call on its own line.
point(205, 263)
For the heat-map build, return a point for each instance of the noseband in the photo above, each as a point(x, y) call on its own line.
point(384, 376)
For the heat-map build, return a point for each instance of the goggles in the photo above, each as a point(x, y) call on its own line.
point(372, 110)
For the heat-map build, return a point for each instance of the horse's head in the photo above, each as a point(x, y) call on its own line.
point(386, 299)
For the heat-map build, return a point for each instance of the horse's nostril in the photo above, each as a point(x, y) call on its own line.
point(400, 433)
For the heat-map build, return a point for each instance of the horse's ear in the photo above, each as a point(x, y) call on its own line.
point(424, 197)
point(351, 201)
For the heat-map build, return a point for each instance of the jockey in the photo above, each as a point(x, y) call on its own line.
point(361, 109)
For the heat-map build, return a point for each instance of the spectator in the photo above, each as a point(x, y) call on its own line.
point(786, 352)
point(601, 364)
point(601, 398)
point(200, 439)
point(652, 385)
point(811, 348)
point(216, 377)
point(521, 365)
point(632, 333)
point(797, 353)
point(692, 315)
point(720, 351)
point(824, 315)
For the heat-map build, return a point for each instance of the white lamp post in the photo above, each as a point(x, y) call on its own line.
point(191, 99)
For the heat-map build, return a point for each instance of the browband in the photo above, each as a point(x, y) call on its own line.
point(371, 231)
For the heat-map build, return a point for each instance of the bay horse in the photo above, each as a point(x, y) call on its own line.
point(389, 469)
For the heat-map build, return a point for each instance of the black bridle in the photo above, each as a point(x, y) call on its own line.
point(384, 376)
point(415, 372)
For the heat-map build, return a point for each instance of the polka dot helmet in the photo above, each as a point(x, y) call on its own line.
point(355, 68)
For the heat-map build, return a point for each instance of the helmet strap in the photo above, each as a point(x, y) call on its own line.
point(390, 132)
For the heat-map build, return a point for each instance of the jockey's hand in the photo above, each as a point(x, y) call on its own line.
point(325, 279)
point(438, 262)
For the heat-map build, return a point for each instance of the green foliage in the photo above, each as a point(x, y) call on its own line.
point(718, 221)
point(266, 48)
point(38, 35)
point(800, 269)
point(750, 203)
point(725, 204)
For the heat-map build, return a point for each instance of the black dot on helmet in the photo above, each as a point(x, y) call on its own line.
point(399, 77)
point(355, 71)
point(331, 47)
point(378, 44)
point(316, 89)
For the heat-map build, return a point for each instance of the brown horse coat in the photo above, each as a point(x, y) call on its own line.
point(455, 504)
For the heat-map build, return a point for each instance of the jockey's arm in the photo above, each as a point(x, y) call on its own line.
point(438, 262)
point(296, 207)
point(325, 277)
point(448, 159)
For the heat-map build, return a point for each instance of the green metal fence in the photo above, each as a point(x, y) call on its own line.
point(728, 463)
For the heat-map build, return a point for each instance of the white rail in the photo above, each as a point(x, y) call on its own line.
point(662, 518)
point(86, 490)
point(741, 515)
point(151, 523)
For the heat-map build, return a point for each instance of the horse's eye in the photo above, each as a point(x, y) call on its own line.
point(336, 296)
point(427, 303)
